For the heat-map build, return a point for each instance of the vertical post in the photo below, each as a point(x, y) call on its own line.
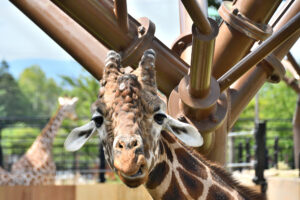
point(248, 154)
point(296, 135)
point(102, 164)
point(240, 154)
point(1, 152)
point(231, 154)
point(276, 150)
point(260, 155)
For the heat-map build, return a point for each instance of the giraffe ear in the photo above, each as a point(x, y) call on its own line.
point(79, 136)
point(185, 132)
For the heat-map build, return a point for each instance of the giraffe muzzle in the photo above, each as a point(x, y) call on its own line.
point(130, 161)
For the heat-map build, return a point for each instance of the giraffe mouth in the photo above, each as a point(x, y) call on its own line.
point(140, 174)
point(136, 179)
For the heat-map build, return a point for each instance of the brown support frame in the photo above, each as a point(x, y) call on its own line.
point(99, 19)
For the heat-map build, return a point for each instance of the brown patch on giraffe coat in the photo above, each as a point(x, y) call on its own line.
point(174, 191)
point(168, 152)
point(215, 192)
point(192, 185)
point(190, 163)
point(157, 175)
point(168, 137)
point(161, 148)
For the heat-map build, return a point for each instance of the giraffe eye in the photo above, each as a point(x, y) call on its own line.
point(98, 121)
point(159, 118)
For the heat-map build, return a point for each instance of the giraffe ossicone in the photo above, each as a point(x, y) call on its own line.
point(143, 144)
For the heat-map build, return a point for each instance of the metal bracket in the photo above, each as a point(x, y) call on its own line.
point(145, 36)
point(278, 69)
point(242, 24)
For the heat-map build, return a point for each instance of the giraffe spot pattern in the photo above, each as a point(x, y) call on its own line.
point(168, 137)
point(168, 152)
point(174, 191)
point(161, 148)
point(216, 193)
point(192, 185)
point(157, 175)
point(190, 163)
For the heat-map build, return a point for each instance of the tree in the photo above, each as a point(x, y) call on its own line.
point(13, 101)
point(86, 89)
point(41, 91)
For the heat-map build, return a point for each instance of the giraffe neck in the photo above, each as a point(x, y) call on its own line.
point(182, 173)
point(45, 139)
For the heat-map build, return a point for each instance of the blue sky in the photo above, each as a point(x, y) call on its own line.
point(22, 43)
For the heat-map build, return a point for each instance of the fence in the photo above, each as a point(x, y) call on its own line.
point(279, 143)
point(17, 137)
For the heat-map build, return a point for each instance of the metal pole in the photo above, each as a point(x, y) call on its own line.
point(260, 155)
point(293, 62)
point(232, 44)
point(121, 14)
point(244, 89)
point(286, 32)
point(200, 20)
point(201, 61)
point(98, 18)
point(1, 152)
point(296, 135)
point(248, 154)
point(67, 33)
point(276, 150)
point(240, 155)
point(102, 164)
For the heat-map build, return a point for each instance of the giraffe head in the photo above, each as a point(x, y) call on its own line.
point(129, 117)
point(68, 105)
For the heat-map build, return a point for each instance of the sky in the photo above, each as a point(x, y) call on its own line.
point(22, 43)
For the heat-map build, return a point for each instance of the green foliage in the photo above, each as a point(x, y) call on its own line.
point(41, 91)
point(13, 101)
point(214, 3)
point(86, 89)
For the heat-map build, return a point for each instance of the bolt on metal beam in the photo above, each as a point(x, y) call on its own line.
point(253, 58)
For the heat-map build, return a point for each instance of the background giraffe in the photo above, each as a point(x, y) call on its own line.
point(36, 166)
point(144, 145)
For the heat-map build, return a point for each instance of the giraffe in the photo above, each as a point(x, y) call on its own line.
point(36, 166)
point(144, 145)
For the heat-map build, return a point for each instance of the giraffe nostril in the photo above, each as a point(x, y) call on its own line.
point(134, 143)
point(120, 145)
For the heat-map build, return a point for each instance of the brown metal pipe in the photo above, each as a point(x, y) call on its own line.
point(194, 9)
point(231, 44)
point(242, 91)
point(121, 14)
point(201, 61)
point(258, 11)
point(98, 18)
point(284, 49)
point(64, 30)
point(293, 62)
point(286, 32)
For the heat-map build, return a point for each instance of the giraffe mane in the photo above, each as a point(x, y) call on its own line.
point(226, 176)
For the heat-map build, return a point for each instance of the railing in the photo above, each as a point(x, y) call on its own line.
point(87, 160)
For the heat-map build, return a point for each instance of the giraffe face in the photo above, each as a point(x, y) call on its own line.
point(68, 104)
point(129, 117)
